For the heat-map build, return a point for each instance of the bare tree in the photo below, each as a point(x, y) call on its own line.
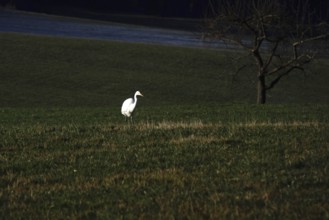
point(8, 3)
point(277, 35)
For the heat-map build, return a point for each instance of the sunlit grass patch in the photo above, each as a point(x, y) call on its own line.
point(280, 124)
point(167, 125)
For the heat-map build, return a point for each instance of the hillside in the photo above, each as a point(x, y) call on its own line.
point(45, 71)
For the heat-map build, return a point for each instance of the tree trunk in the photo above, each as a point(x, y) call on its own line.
point(261, 90)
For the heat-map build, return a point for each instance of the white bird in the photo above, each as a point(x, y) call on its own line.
point(128, 106)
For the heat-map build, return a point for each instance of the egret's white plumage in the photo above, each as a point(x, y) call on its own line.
point(129, 105)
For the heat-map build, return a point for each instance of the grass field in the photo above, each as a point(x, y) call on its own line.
point(72, 72)
point(198, 148)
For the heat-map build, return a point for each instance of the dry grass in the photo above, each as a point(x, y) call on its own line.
point(168, 125)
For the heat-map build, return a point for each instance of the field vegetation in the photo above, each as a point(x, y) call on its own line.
point(73, 72)
point(198, 148)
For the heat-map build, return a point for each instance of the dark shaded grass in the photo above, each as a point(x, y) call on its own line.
point(228, 165)
point(43, 71)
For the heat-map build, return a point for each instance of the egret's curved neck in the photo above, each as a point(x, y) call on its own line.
point(135, 98)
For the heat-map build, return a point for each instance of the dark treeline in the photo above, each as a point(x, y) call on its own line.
point(308, 10)
point(163, 8)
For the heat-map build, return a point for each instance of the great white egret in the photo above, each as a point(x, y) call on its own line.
point(128, 106)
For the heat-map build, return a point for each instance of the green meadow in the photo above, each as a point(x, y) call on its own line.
point(199, 147)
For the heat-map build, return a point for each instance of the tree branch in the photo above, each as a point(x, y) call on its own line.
point(273, 53)
point(323, 36)
point(277, 79)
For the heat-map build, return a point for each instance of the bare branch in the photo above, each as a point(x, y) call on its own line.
point(294, 63)
point(278, 78)
point(322, 36)
point(273, 53)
